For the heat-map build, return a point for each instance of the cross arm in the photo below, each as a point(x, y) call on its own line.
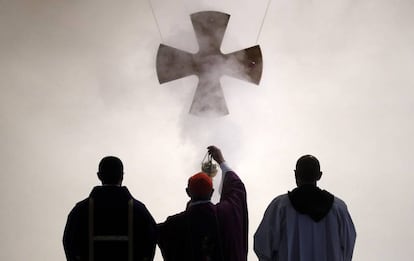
point(173, 64)
point(245, 64)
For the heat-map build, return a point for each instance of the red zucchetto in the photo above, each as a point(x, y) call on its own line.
point(200, 184)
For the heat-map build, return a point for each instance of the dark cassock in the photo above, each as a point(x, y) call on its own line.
point(118, 225)
point(207, 231)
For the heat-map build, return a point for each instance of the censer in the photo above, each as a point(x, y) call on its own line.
point(208, 167)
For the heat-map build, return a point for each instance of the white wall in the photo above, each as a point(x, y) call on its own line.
point(78, 82)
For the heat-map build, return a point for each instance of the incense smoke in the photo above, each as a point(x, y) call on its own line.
point(209, 64)
point(78, 82)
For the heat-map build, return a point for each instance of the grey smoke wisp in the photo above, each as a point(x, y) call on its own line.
point(78, 81)
point(209, 64)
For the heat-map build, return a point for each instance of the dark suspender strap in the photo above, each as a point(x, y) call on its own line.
point(92, 238)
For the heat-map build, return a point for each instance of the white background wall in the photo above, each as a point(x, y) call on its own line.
point(78, 82)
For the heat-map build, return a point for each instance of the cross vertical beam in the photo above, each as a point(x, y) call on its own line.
point(209, 64)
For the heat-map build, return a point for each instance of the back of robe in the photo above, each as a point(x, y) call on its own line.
point(191, 235)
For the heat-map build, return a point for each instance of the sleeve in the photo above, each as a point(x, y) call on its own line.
point(70, 242)
point(233, 190)
point(347, 234)
point(164, 241)
point(233, 214)
point(267, 236)
point(171, 236)
point(224, 169)
point(145, 234)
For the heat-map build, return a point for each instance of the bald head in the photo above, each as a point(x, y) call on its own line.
point(308, 170)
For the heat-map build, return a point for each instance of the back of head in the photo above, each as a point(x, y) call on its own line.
point(308, 169)
point(111, 170)
point(200, 186)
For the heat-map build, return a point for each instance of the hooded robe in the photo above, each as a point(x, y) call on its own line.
point(307, 224)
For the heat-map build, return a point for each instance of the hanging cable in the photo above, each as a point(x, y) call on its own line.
point(264, 18)
point(156, 20)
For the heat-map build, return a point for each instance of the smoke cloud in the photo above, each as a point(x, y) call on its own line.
point(78, 82)
point(209, 64)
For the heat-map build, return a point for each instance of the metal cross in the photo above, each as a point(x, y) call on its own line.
point(209, 64)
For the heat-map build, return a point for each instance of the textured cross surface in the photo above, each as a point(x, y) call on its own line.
point(209, 64)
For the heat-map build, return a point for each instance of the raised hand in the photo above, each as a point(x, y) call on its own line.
point(216, 154)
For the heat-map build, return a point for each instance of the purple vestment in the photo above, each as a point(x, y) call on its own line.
point(208, 232)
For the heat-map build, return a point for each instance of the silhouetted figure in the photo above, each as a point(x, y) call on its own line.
point(205, 231)
point(110, 225)
point(306, 224)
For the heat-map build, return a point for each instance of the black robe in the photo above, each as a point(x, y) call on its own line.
point(111, 215)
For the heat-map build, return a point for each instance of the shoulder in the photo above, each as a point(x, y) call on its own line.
point(340, 208)
point(280, 200)
point(139, 205)
point(339, 203)
point(142, 213)
point(173, 222)
point(81, 206)
point(176, 217)
point(79, 212)
point(278, 203)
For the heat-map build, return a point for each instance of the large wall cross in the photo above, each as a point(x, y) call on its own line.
point(209, 64)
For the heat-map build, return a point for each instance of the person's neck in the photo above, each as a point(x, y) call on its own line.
point(300, 184)
point(198, 202)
